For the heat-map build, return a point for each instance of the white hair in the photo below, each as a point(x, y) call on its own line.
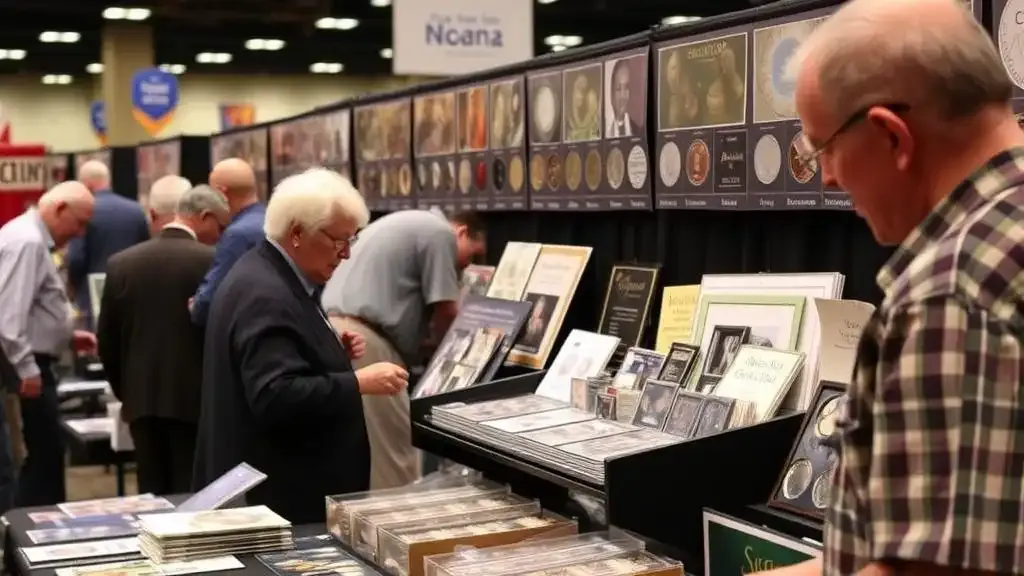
point(165, 194)
point(202, 198)
point(94, 173)
point(311, 200)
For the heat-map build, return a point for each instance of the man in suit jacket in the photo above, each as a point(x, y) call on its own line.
point(279, 391)
point(117, 223)
point(620, 124)
point(152, 352)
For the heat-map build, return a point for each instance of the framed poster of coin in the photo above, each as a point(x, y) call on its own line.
point(507, 146)
point(779, 180)
point(250, 145)
point(624, 182)
point(701, 98)
point(320, 139)
point(435, 136)
point(805, 482)
point(544, 90)
point(383, 156)
point(472, 105)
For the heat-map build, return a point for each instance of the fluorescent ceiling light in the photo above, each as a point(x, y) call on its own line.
point(213, 57)
point(94, 68)
point(173, 68)
point(326, 67)
point(564, 41)
point(51, 37)
point(546, 1)
point(133, 14)
point(264, 44)
point(14, 54)
point(558, 48)
point(56, 79)
point(337, 23)
point(380, 3)
point(387, 53)
point(674, 20)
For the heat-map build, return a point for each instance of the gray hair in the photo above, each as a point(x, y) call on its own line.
point(310, 200)
point(94, 173)
point(871, 53)
point(165, 194)
point(202, 198)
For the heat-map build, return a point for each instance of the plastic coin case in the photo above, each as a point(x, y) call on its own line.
point(805, 482)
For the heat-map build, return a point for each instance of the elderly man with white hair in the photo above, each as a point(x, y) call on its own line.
point(118, 223)
point(279, 391)
point(164, 196)
point(905, 104)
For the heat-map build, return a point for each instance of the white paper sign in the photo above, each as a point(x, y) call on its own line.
point(451, 37)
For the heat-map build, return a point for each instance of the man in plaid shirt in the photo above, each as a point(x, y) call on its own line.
point(905, 105)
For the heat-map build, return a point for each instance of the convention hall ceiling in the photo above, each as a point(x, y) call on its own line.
point(360, 37)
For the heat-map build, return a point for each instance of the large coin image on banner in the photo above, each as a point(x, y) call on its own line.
point(801, 171)
point(767, 159)
point(1010, 38)
point(703, 84)
point(472, 109)
point(773, 87)
point(625, 96)
point(546, 108)
point(581, 103)
point(698, 162)
point(434, 130)
point(670, 164)
point(507, 111)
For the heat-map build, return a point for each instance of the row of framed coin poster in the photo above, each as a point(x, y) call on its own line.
point(317, 140)
point(249, 145)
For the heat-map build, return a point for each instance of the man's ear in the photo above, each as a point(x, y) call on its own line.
point(153, 216)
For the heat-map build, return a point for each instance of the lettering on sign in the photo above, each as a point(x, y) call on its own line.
point(465, 30)
point(755, 563)
point(22, 174)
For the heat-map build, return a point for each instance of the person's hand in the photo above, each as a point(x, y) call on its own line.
point(31, 387)
point(191, 303)
point(84, 341)
point(382, 378)
point(354, 343)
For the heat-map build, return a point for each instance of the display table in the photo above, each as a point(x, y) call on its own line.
point(93, 448)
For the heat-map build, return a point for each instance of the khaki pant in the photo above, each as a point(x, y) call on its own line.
point(393, 460)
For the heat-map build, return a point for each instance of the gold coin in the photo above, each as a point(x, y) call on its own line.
point(538, 167)
point(465, 176)
point(826, 422)
point(593, 170)
point(554, 172)
point(515, 174)
point(573, 171)
point(404, 180)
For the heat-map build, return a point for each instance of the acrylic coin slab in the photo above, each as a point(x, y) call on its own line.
point(805, 482)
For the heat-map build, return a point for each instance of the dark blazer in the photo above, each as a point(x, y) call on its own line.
point(152, 353)
point(279, 392)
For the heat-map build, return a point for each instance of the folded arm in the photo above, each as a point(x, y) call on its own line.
point(20, 266)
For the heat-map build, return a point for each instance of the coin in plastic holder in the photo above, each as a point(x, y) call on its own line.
point(797, 479)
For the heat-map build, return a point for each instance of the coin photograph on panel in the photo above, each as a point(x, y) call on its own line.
point(703, 84)
point(636, 167)
point(435, 175)
point(698, 162)
point(434, 117)
point(480, 175)
point(797, 479)
point(654, 405)
point(670, 164)
point(369, 134)
point(581, 103)
point(767, 159)
point(498, 174)
point(546, 108)
point(448, 183)
point(405, 180)
point(593, 170)
point(1010, 39)
point(465, 176)
point(573, 170)
point(682, 418)
point(616, 168)
point(625, 96)
point(773, 87)
point(516, 173)
point(801, 171)
point(538, 171)
point(395, 119)
point(507, 111)
point(472, 108)
point(421, 176)
point(554, 172)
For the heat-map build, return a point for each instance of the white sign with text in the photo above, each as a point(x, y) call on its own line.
point(452, 37)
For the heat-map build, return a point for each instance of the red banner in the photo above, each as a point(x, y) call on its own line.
point(23, 177)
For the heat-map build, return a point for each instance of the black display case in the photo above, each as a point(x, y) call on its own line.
point(659, 494)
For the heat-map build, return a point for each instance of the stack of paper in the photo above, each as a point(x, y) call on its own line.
point(189, 535)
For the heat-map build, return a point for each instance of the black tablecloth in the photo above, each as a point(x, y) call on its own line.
point(17, 523)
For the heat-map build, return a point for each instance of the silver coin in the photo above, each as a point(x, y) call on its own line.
point(767, 159)
point(670, 164)
point(544, 111)
point(1010, 38)
point(821, 490)
point(636, 167)
point(797, 479)
point(435, 175)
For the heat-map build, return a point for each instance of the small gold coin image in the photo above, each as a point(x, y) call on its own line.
point(573, 171)
point(538, 171)
point(515, 173)
point(465, 176)
point(616, 168)
point(554, 172)
point(593, 170)
point(405, 180)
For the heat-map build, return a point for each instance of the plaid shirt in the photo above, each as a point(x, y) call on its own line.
point(932, 465)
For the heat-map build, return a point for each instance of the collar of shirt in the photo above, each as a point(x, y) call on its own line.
point(981, 186)
point(47, 237)
point(309, 286)
point(179, 226)
point(438, 212)
point(245, 212)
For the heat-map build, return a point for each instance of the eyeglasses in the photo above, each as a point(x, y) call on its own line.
point(340, 243)
point(808, 153)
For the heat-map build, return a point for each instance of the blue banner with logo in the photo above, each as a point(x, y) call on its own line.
point(155, 97)
point(98, 120)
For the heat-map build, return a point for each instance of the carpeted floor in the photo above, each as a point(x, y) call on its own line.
point(88, 482)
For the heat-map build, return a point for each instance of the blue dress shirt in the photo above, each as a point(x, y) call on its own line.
point(244, 233)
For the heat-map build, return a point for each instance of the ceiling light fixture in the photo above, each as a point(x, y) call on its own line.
point(51, 37)
point(326, 67)
point(380, 3)
point(14, 54)
point(546, 1)
point(563, 41)
point(133, 14)
point(213, 57)
point(676, 20)
point(558, 48)
point(175, 69)
point(53, 79)
point(387, 53)
point(337, 23)
point(94, 68)
point(270, 44)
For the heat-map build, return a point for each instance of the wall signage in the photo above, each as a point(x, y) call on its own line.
point(98, 120)
point(155, 96)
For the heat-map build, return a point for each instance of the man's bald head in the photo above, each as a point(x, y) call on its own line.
point(94, 175)
point(235, 178)
point(66, 210)
point(927, 53)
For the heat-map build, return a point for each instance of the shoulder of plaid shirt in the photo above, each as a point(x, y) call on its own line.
point(931, 474)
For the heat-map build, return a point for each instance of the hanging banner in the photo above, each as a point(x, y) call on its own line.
point(98, 121)
point(155, 97)
point(24, 173)
point(451, 37)
point(236, 116)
